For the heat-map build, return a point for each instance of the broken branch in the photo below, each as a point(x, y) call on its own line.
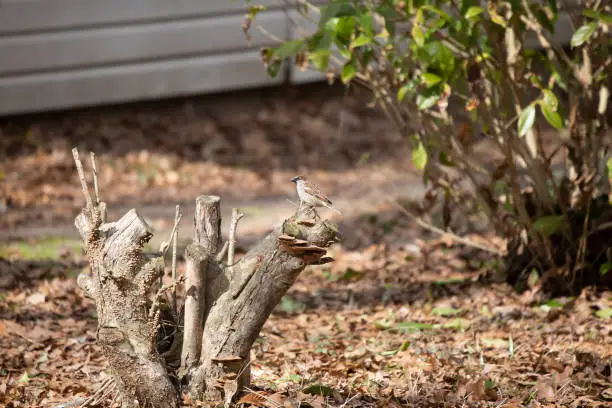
point(85, 189)
point(95, 177)
point(236, 216)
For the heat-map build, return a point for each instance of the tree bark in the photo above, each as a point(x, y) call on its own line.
point(244, 296)
point(121, 276)
point(225, 305)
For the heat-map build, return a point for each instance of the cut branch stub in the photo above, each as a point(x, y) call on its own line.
point(195, 291)
point(208, 222)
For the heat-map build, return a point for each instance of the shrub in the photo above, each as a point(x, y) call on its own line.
point(449, 73)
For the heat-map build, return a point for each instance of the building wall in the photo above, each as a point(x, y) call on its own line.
point(58, 54)
point(71, 53)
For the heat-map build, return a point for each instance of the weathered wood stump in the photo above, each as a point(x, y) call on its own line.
point(225, 305)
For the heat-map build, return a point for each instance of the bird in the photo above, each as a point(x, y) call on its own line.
point(310, 195)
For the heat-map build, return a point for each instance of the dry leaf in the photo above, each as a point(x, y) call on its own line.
point(36, 299)
point(259, 399)
point(545, 390)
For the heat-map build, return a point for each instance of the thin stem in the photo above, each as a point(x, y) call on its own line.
point(92, 155)
point(222, 252)
point(439, 231)
point(84, 188)
point(236, 216)
point(177, 219)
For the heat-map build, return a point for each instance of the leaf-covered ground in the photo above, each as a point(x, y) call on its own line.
point(405, 322)
point(238, 146)
point(402, 318)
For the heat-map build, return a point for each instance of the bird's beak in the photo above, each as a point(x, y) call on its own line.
point(294, 180)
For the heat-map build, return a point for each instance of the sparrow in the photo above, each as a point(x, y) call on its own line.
point(310, 195)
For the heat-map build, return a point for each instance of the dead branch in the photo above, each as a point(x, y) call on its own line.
point(177, 220)
point(81, 172)
point(236, 216)
point(95, 177)
point(439, 231)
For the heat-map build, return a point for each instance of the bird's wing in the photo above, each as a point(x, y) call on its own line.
point(314, 191)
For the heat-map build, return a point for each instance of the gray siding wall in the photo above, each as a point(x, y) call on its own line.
point(71, 53)
point(58, 54)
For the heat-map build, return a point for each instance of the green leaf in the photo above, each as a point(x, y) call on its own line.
point(497, 19)
point(419, 156)
point(438, 11)
point(289, 49)
point(439, 57)
point(445, 311)
point(410, 327)
point(590, 13)
point(320, 59)
point(428, 98)
point(382, 324)
point(367, 24)
point(553, 7)
point(548, 224)
point(351, 274)
point(605, 313)
point(473, 12)
point(431, 79)
point(360, 41)
point(552, 116)
point(605, 268)
point(401, 94)
point(550, 99)
point(533, 278)
point(457, 324)
point(418, 36)
point(554, 303)
point(332, 25)
point(345, 26)
point(583, 34)
point(274, 68)
point(318, 389)
point(256, 9)
point(292, 377)
point(605, 18)
point(330, 11)
point(596, 15)
point(348, 71)
point(24, 379)
point(526, 120)
point(495, 343)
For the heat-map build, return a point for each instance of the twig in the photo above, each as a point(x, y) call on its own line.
point(165, 245)
point(177, 219)
point(222, 252)
point(439, 231)
point(79, 166)
point(236, 216)
point(94, 398)
point(92, 155)
point(160, 294)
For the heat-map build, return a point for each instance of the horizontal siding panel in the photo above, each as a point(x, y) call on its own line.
point(35, 93)
point(113, 45)
point(42, 15)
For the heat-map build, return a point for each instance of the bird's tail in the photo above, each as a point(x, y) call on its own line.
point(331, 207)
